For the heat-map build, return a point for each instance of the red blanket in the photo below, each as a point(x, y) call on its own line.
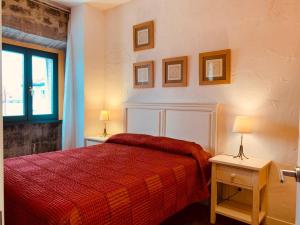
point(131, 179)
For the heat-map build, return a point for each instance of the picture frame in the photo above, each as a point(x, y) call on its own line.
point(215, 67)
point(143, 36)
point(175, 72)
point(143, 74)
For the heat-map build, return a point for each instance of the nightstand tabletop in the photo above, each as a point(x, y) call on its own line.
point(97, 138)
point(251, 163)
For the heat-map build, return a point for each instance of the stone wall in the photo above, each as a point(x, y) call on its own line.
point(34, 22)
point(25, 138)
point(33, 17)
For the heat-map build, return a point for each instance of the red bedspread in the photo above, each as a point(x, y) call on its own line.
point(131, 179)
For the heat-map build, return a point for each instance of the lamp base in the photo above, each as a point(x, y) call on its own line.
point(241, 154)
point(104, 133)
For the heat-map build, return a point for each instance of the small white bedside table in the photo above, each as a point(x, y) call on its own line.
point(88, 141)
point(251, 174)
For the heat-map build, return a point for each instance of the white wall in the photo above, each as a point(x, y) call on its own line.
point(265, 40)
point(94, 69)
point(1, 134)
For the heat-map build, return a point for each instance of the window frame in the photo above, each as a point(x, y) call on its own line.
point(28, 114)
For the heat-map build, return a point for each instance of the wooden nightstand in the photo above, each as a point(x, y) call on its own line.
point(251, 174)
point(88, 141)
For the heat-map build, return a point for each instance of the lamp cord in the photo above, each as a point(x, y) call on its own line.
point(229, 196)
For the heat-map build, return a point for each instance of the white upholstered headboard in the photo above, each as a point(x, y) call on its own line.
point(186, 121)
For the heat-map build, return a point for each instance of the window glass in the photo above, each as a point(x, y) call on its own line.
point(42, 85)
point(12, 83)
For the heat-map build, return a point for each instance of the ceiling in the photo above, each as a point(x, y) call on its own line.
point(100, 4)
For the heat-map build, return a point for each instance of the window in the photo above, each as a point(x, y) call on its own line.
point(29, 84)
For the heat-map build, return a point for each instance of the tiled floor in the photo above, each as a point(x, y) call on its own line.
point(197, 214)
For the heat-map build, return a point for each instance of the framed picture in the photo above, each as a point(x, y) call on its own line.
point(175, 72)
point(214, 67)
point(143, 36)
point(143, 74)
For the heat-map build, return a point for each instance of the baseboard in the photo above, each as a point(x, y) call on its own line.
point(273, 221)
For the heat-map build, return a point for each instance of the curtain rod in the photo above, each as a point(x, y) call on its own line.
point(52, 5)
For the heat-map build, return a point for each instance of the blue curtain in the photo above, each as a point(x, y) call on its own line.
point(73, 113)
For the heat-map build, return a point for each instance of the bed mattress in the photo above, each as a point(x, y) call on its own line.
point(130, 179)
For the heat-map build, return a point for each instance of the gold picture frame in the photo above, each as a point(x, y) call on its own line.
point(215, 67)
point(143, 36)
point(175, 72)
point(143, 74)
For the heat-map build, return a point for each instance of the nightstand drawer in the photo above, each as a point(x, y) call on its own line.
point(234, 175)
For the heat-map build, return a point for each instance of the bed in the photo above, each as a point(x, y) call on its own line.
point(133, 178)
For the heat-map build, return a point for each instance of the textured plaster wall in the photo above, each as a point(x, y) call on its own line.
point(265, 40)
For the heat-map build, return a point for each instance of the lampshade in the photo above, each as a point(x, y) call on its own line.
point(104, 115)
point(242, 124)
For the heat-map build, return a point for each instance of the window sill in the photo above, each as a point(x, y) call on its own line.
point(32, 122)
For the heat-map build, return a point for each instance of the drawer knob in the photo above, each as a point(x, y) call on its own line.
point(233, 175)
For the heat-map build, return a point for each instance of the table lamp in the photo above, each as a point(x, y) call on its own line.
point(242, 125)
point(104, 116)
